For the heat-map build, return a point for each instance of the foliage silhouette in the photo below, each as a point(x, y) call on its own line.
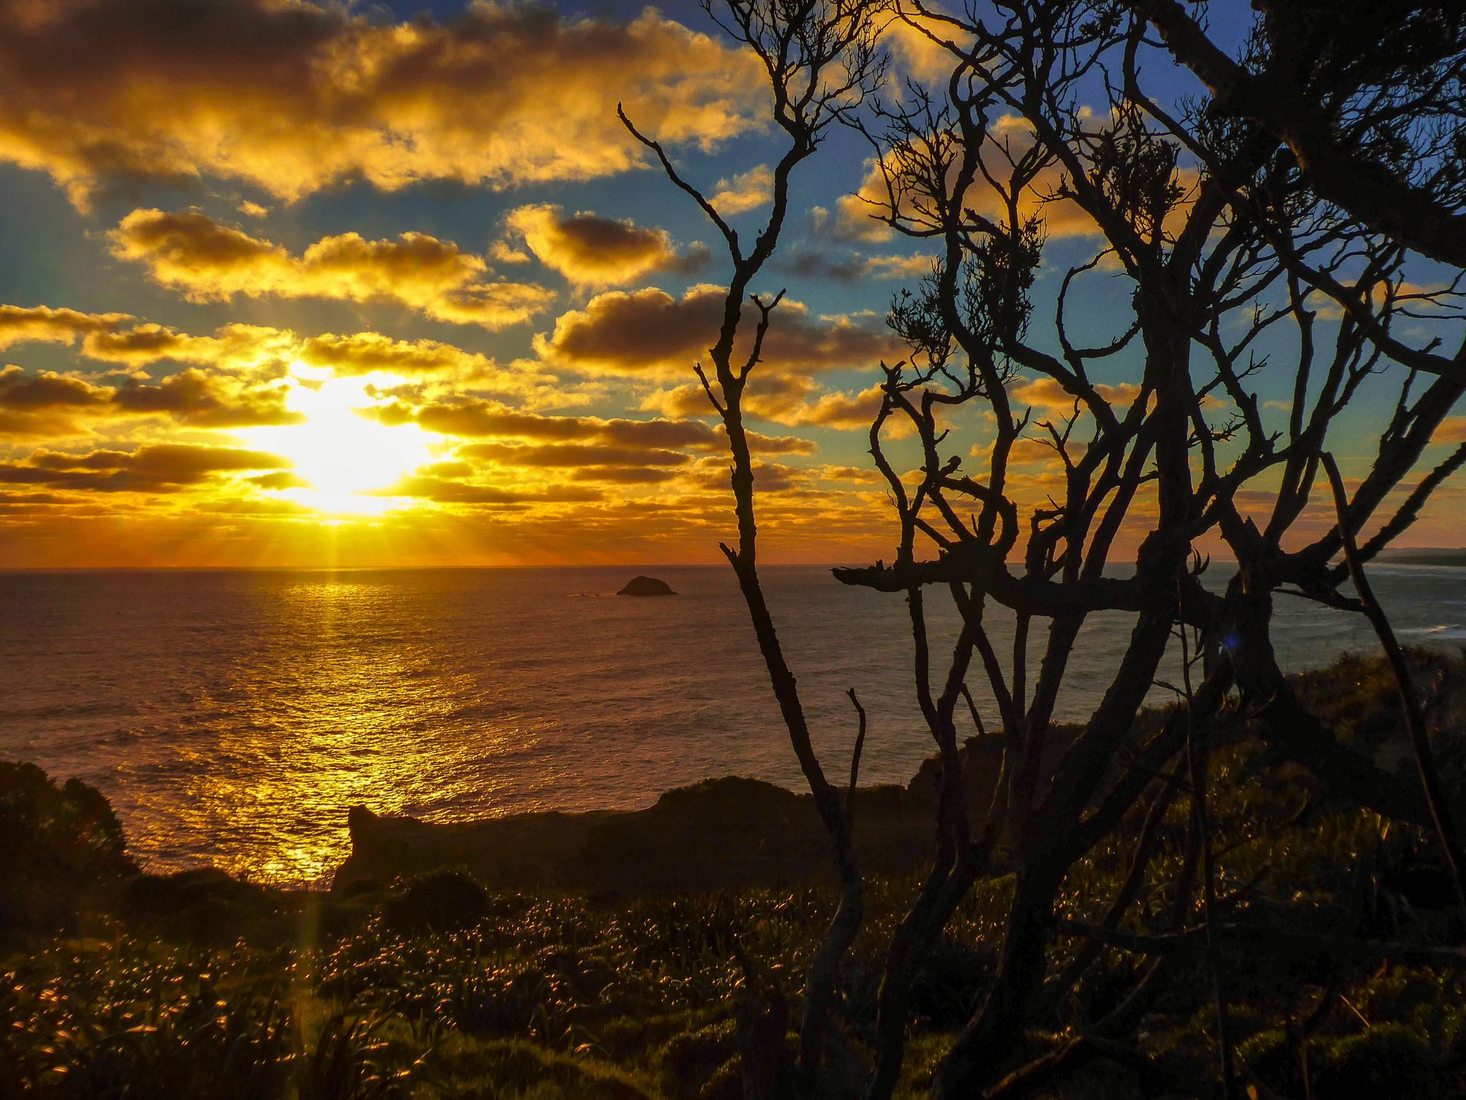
point(1233, 233)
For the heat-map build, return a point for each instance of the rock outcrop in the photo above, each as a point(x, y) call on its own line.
point(646, 586)
point(715, 834)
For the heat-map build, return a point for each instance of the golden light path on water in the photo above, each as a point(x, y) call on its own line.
point(332, 728)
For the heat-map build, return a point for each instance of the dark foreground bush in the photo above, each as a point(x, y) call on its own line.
point(61, 846)
point(440, 901)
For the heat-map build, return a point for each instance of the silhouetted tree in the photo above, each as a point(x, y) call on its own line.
point(1368, 98)
point(822, 62)
point(1213, 221)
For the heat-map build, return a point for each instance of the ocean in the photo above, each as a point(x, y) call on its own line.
point(233, 717)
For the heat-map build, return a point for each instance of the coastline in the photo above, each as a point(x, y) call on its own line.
point(596, 954)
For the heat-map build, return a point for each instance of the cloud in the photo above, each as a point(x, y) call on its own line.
point(447, 491)
point(108, 338)
point(44, 405)
point(293, 96)
point(205, 260)
point(475, 417)
point(365, 352)
point(1047, 396)
point(234, 345)
point(850, 267)
point(743, 192)
point(24, 392)
point(205, 400)
point(574, 454)
point(626, 475)
point(792, 400)
point(593, 251)
point(649, 332)
point(156, 467)
point(915, 54)
point(30, 324)
point(269, 352)
point(49, 404)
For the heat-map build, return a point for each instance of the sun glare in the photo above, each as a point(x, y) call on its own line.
point(349, 460)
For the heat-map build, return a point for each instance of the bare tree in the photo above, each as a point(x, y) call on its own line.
point(1338, 82)
point(1212, 220)
point(1221, 252)
point(822, 62)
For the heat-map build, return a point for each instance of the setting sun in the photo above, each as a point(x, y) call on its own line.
point(346, 461)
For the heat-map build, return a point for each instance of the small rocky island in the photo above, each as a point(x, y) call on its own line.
point(646, 586)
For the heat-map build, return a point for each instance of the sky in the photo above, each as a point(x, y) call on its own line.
point(294, 284)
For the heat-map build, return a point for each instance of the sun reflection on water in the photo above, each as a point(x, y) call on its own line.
point(326, 727)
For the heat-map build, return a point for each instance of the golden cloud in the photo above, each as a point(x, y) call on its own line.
point(1048, 396)
point(792, 400)
point(292, 97)
point(156, 467)
point(743, 192)
point(573, 454)
point(910, 40)
point(236, 346)
point(365, 352)
point(475, 417)
point(593, 251)
point(448, 491)
point(261, 350)
point(626, 475)
point(205, 400)
point(192, 253)
point(49, 404)
point(33, 324)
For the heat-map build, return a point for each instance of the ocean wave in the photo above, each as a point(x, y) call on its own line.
point(1445, 632)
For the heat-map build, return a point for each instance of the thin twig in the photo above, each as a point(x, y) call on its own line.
point(1435, 800)
point(855, 753)
point(1196, 765)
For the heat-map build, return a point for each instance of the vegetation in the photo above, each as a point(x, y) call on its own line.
point(434, 987)
point(1261, 888)
point(1267, 272)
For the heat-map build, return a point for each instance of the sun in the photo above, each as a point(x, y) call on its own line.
point(348, 460)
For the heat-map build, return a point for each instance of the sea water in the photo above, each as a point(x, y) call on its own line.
point(233, 717)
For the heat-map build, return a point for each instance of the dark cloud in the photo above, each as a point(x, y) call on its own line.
point(22, 392)
point(473, 417)
point(626, 475)
point(591, 250)
point(445, 491)
point(648, 332)
point(574, 454)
